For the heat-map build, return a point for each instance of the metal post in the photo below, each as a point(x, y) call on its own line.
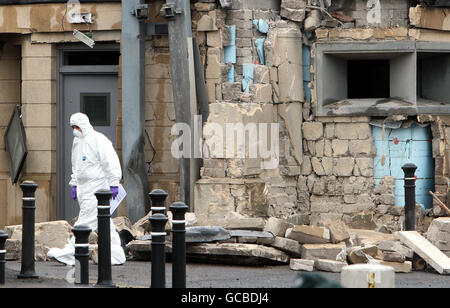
point(410, 196)
point(28, 217)
point(158, 222)
point(133, 110)
point(178, 15)
point(3, 238)
point(158, 197)
point(179, 210)
point(104, 239)
point(81, 233)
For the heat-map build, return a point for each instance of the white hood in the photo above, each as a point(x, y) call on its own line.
point(82, 121)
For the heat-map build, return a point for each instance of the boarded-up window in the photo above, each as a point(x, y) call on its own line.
point(396, 147)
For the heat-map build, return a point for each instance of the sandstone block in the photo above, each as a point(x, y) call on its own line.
point(329, 265)
point(277, 226)
point(48, 234)
point(237, 221)
point(359, 254)
point(338, 231)
point(214, 39)
point(262, 93)
point(309, 234)
point(393, 257)
point(293, 14)
point(293, 4)
point(261, 74)
point(204, 7)
point(312, 130)
point(13, 249)
point(291, 247)
point(340, 147)
point(343, 166)
point(321, 251)
point(402, 267)
point(301, 265)
point(361, 147)
point(206, 23)
point(352, 131)
point(231, 91)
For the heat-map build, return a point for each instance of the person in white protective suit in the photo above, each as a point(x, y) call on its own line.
point(95, 167)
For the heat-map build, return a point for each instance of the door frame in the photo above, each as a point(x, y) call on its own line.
point(61, 73)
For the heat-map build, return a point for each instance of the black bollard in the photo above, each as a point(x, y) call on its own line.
point(81, 233)
point(28, 218)
point(158, 222)
point(104, 239)
point(3, 238)
point(158, 197)
point(410, 196)
point(179, 210)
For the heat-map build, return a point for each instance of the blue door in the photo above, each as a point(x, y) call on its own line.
point(399, 146)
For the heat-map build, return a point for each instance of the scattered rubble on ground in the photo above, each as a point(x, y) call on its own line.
point(303, 247)
point(277, 242)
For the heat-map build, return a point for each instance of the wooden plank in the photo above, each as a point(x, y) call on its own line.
point(427, 251)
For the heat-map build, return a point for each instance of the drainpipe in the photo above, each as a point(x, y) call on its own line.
point(133, 108)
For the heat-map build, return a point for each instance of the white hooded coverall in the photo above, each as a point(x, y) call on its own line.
point(95, 167)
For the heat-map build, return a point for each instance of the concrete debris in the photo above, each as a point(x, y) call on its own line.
point(430, 253)
point(301, 265)
point(439, 234)
point(321, 251)
point(338, 231)
point(291, 247)
point(391, 246)
point(230, 253)
point(47, 235)
point(277, 226)
point(237, 221)
point(429, 18)
point(309, 234)
point(189, 217)
point(206, 234)
point(223, 253)
point(13, 249)
point(399, 267)
point(252, 237)
point(362, 254)
point(329, 265)
point(393, 257)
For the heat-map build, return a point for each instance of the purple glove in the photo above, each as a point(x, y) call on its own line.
point(115, 191)
point(74, 193)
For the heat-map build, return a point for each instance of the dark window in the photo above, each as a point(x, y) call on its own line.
point(91, 58)
point(97, 107)
point(433, 76)
point(368, 78)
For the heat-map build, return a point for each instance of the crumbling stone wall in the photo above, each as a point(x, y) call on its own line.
point(159, 118)
point(268, 98)
point(326, 163)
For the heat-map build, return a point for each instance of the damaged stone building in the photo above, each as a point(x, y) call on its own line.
point(357, 88)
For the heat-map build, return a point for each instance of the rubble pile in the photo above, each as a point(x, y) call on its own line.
point(304, 247)
point(328, 248)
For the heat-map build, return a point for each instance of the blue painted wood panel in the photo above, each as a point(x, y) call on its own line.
point(395, 148)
